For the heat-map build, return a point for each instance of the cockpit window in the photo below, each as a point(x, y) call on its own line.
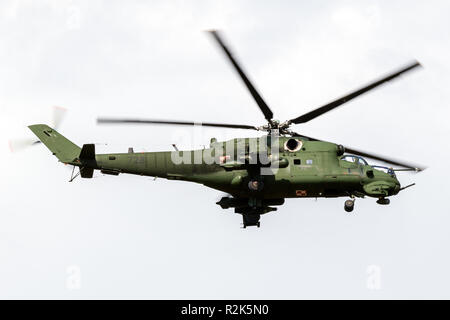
point(354, 159)
point(387, 170)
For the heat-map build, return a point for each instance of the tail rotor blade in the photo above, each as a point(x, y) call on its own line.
point(16, 145)
point(58, 116)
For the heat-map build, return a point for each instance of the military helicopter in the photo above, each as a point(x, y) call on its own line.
point(258, 174)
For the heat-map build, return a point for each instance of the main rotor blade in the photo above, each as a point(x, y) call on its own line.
point(268, 114)
point(384, 159)
point(334, 104)
point(295, 134)
point(409, 166)
point(182, 123)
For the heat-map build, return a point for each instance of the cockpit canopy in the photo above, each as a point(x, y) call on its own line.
point(387, 170)
point(361, 161)
point(354, 159)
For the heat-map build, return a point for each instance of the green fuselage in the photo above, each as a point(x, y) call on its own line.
point(314, 171)
point(258, 173)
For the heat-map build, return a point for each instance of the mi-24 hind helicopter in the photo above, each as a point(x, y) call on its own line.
point(257, 173)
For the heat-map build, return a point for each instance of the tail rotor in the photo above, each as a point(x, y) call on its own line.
point(16, 145)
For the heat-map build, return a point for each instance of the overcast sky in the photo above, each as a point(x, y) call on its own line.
point(132, 237)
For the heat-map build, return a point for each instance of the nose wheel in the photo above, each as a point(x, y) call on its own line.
point(349, 205)
point(383, 201)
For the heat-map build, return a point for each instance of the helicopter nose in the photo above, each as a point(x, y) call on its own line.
point(382, 188)
point(396, 189)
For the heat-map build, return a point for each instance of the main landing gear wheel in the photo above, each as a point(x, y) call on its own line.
point(383, 201)
point(258, 224)
point(349, 205)
point(251, 219)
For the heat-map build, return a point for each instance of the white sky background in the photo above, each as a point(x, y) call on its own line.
point(132, 237)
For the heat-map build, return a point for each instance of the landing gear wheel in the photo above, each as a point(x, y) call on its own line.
point(383, 201)
point(349, 205)
point(258, 224)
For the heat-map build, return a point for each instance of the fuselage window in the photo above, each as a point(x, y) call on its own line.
point(354, 159)
point(297, 161)
point(387, 170)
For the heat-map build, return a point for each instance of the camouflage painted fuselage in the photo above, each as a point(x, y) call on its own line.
point(315, 170)
point(258, 173)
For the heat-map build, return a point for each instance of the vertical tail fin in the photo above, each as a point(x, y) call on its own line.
point(87, 157)
point(64, 149)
